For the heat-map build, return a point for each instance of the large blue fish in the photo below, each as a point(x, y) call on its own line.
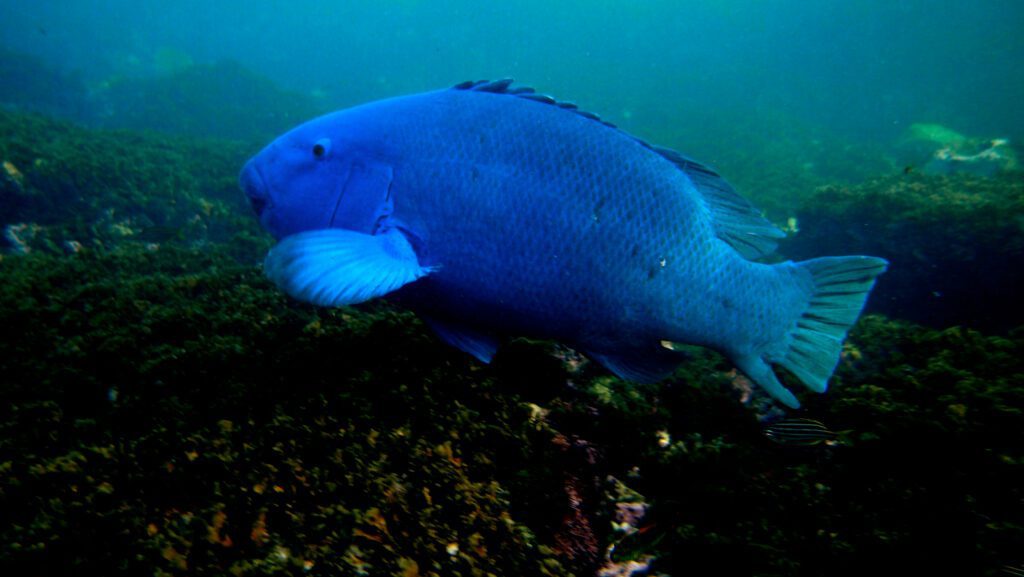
point(496, 212)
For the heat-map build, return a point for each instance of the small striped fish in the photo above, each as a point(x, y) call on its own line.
point(800, 432)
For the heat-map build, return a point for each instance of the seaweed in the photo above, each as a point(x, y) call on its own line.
point(926, 474)
point(27, 83)
point(96, 188)
point(955, 244)
point(168, 410)
point(165, 410)
point(221, 100)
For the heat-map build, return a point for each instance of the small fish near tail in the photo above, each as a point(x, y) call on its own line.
point(799, 432)
point(811, 348)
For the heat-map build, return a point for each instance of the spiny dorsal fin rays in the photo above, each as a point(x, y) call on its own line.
point(736, 220)
point(503, 86)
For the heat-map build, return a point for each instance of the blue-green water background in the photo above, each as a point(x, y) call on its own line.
point(668, 71)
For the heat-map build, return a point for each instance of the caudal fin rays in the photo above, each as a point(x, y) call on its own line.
point(840, 287)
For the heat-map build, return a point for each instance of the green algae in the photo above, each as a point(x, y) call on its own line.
point(926, 475)
point(29, 83)
point(101, 188)
point(170, 410)
point(955, 244)
point(221, 100)
point(936, 135)
point(164, 410)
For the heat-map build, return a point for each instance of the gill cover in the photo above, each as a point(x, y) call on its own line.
point(365, 199)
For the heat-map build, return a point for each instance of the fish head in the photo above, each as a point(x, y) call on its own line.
point(295, 183)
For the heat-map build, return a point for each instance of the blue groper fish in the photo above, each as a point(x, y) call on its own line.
point(495, 212)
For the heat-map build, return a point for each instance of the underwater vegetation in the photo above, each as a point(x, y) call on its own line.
point(955, 244)
point(165, 410)
point(196, 421)
point(942, 150)
point(64, 187)
point(29, 83)
point(170, 410)
point(924, 475)
point(221, 100)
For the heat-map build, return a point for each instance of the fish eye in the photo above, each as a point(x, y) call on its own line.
point(321, 147)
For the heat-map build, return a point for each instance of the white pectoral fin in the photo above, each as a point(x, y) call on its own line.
point(336, 267)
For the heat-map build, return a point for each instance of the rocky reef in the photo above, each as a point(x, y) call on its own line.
point(171, 95)
point(63, 187)
point(220, 100)
point(955, 244)
point(28, 83)
point(169, 409)
point(165, 410)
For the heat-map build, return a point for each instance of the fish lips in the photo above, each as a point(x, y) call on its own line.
point(255, 188)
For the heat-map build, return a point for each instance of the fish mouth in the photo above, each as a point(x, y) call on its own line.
point(255, 188)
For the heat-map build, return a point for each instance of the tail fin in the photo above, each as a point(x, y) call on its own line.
point(840, 286)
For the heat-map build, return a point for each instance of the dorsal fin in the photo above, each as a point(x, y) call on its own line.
point(503, 86)
point(736, 220)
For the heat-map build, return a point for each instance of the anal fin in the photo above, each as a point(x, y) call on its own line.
point(642, 365)
point(477, 343)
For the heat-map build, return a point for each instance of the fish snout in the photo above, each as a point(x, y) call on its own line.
point(254, 187)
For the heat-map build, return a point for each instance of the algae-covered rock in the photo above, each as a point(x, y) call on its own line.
point(169, 412)
point(93, 188)
point(955, 244)
point(926, 474)
point(164, 410)
point(222, 100)
point(28, 83)
point(935, 135)
point(941, 150)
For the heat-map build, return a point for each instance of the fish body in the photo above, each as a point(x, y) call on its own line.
point(494, 212)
